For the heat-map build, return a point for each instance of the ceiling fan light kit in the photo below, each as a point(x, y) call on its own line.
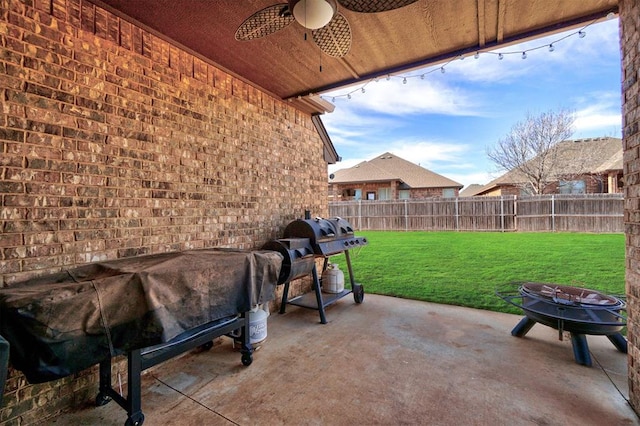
point(313, 14)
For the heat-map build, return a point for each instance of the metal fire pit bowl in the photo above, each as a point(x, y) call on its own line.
point(576, 310)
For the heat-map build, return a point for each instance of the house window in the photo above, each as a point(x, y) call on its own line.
point(352, 194)
point(371, 195)
point(404, 194)
point(526, 190)
point(448, 192)
point(384, 193)
point(572, 187)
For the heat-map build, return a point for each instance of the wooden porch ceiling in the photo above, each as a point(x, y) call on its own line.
point(290, 67)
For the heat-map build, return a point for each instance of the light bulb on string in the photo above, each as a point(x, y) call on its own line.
point(581, 34)
point(442, 70)
point(388, 77)
point(524, 55)
point(500, 56)
point(422, 77)
point(404, 80)
point(362, 90)
point(551, 47)
point(349, 96)
point(477, 55)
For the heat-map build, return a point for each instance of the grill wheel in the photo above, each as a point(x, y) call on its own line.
point(358, 293)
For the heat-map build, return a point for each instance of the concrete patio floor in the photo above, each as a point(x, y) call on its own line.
point(387, 361)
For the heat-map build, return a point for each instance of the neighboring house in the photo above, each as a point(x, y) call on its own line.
point(389, 177)
point(471, 190)
point(583, 166)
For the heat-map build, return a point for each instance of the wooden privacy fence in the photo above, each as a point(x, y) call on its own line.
point(574, 213)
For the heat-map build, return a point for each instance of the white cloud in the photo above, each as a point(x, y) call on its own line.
point(416, 96)
point(466, 179)
point(427, 154)
point(593, 120)
point(600, 114)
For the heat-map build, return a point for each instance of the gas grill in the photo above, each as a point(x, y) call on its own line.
point(304, 241)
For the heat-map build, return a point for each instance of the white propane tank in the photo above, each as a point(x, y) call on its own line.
point(257, 325)
point(332, 279)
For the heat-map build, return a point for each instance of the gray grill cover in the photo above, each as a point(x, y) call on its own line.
point(63, 323)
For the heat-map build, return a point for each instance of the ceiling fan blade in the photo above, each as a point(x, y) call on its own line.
point(264, 22)
point(334, 39)
point(365, 6)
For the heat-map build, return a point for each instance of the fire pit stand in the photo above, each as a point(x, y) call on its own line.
point(576, 310)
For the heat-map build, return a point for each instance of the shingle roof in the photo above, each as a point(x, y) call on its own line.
point(572, 160)
point(471, 190)
point(388, 167)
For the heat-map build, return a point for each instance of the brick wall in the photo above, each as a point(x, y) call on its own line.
point(629, 42)
point(115, 143)
point(431, 192)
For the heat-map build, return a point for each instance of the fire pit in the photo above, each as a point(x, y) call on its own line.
point(576, 310)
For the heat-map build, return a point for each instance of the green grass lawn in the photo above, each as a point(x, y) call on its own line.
point(466, 268)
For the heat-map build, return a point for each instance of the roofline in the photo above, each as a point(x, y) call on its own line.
point(329, 148)
point(459, 186)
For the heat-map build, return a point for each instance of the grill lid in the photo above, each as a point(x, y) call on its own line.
point(327, 236)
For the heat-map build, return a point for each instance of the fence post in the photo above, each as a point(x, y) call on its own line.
point(360, 214)
point(515, 212)
point(457, 216)
point(406, 216)
point(553, 213)
point(502, 213)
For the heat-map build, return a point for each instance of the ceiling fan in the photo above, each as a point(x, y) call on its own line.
point(329, 28)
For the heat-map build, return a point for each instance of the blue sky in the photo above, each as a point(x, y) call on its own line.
point(446, 121)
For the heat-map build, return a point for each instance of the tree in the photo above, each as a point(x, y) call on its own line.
point(529, 148)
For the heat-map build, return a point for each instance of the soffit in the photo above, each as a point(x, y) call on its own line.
point(288, 66)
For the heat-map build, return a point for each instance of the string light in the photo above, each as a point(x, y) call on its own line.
point(523, 54)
